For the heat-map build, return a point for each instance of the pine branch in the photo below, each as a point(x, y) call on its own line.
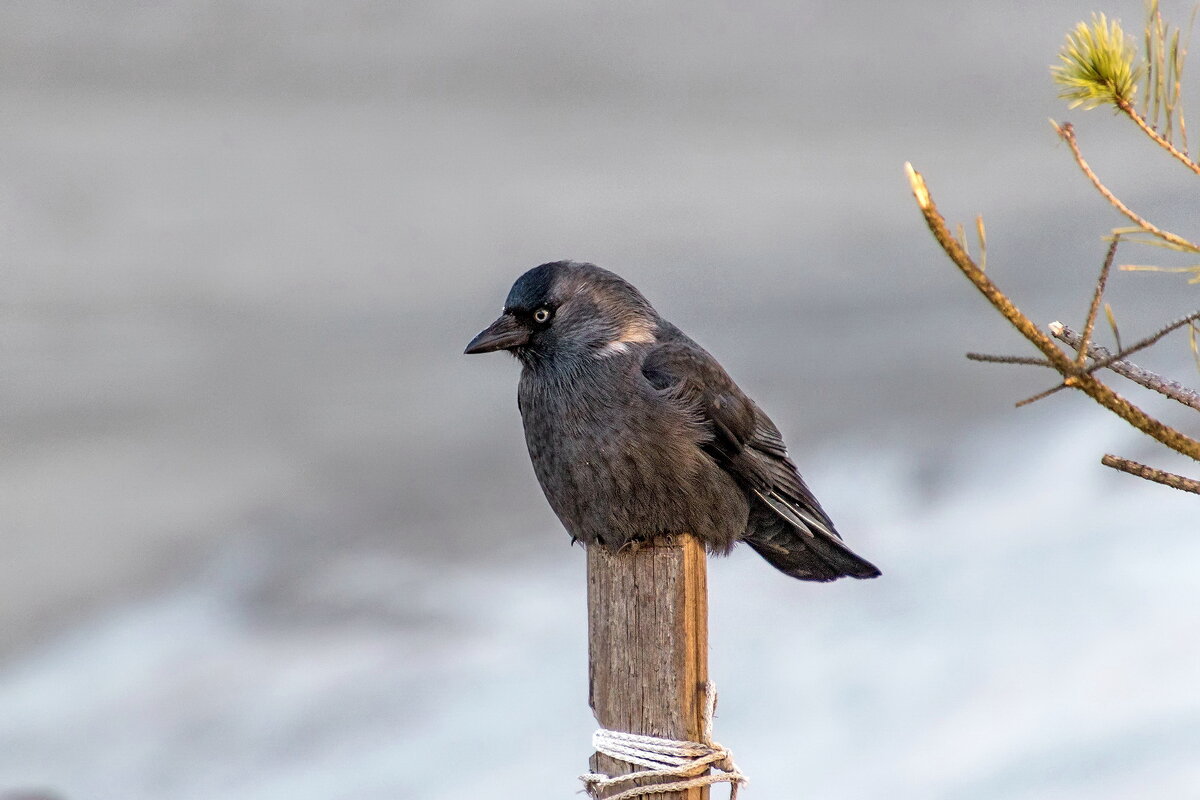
point(1088, 384)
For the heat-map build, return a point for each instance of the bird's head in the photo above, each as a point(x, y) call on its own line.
point(568, 309)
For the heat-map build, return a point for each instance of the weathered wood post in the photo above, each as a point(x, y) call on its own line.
point(648, 645)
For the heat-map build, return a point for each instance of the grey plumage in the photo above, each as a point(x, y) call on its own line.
point(634, 430)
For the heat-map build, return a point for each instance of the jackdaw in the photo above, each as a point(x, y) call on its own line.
point(636, 431)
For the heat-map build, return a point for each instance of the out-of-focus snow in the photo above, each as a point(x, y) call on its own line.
point(1031, 637)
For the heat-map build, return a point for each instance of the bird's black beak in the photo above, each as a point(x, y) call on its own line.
point(503, 334)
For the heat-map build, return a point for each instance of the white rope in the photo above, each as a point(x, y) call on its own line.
point(689, 762)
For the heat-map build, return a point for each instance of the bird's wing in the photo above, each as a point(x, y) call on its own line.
point(743, 440)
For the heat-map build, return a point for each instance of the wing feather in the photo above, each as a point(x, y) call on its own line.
point(743, 440)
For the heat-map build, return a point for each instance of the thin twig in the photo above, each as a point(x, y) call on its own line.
point(1067, 133)
point(1151, 474)
point(1041, 395)
point(1107, 360)
point(1149, 340)
point(1037, 362)
point(1131, 112)
point(1088, 384)
point(1164, 386)
point(1090, 325)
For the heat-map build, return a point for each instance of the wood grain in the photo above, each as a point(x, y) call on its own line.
point(648, 644)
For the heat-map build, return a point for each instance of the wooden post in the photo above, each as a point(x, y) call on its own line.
point(648, 645)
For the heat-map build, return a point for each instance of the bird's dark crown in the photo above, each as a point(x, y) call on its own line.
point(553, 283)
point(533, 289)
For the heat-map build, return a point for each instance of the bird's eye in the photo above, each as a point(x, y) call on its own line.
point(541, 316)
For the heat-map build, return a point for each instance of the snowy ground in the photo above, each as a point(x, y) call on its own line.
point(1031, 638)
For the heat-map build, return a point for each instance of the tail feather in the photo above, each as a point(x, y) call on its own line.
point(803, 551)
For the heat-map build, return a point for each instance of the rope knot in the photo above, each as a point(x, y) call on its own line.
point(684, 764)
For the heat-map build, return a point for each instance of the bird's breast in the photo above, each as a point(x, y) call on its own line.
point(618, 462)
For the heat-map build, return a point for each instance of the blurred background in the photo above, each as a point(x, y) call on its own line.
point(266, 533)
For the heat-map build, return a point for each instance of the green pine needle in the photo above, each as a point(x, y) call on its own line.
point(1097, 65)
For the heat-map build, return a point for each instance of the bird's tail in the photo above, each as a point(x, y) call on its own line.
point(801, 547)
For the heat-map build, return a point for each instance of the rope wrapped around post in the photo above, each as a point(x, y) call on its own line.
point(687, 762)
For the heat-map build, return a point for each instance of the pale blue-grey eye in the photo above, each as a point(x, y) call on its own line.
point(541, 316)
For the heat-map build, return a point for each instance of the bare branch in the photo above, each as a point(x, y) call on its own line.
point(1108, 360)
point(1152, 338)
point(1104, 359)
point(1096, 297)
point(1041, 395)
point(1151, 474)
point(1088, 384)
point(1067, 133)
point(1132, 113)
point(937, 226)
point(1036, 362)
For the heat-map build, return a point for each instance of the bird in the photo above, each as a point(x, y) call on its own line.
point(636, 431)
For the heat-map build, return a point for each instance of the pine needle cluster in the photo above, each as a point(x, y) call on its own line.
point(1097, 66)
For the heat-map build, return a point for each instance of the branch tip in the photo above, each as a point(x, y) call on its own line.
point(917, 182)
